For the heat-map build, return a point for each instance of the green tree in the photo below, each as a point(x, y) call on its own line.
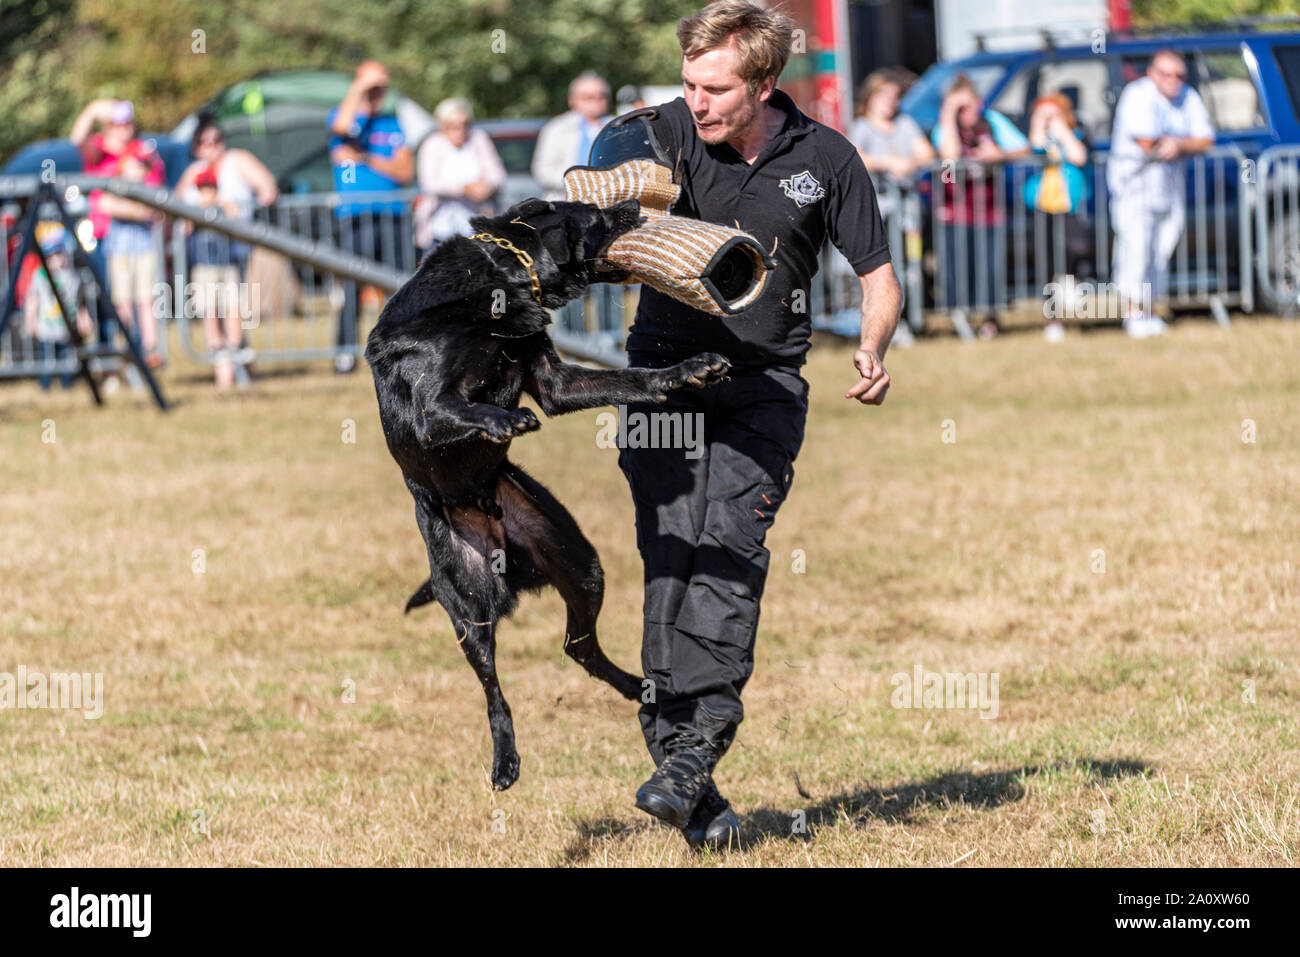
point(509, 57)
point(1160, 12)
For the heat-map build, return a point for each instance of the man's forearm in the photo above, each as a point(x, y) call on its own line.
point(882, 301)
point(93, 112)
point(347, 111)
point(399, 167)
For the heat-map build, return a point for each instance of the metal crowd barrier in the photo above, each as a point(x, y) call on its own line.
point(301, 261)
point(836, 297)
point(293, 308)
point(296, 311)
point(1277, 228)
point(991, 251)
point(288, 272)
point(35, 353)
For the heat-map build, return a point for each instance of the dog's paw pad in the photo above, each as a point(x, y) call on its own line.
point(505, 772)
point(704, 369)
point(524, 421)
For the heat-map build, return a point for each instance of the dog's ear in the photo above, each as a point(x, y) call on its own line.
point(530, 207)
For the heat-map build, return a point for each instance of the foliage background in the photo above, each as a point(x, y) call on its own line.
point(56, 55)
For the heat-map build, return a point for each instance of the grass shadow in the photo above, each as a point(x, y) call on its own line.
point(589, 832)
point(896, 805)
point(901, 804)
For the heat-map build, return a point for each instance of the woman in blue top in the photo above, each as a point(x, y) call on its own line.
point(1059, 187)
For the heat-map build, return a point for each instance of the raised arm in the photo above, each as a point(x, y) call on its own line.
point(96, 111)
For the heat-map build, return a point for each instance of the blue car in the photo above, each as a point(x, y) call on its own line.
point(1249, 81)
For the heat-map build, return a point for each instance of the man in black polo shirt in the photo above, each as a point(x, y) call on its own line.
point(746, 156)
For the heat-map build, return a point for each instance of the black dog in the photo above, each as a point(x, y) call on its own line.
point(452, 353)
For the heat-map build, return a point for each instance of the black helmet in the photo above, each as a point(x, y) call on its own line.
point(628, 137)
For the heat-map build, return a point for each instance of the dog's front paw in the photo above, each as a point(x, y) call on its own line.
point(505, 770)
point(510, 424)
point(704, 369)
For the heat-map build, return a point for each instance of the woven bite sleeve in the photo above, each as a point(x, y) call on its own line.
point(715, 269)
point(643, 180)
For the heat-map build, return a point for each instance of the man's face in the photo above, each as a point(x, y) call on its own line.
point(590, 99)
point(373, 79)
point(720, 101)
point(1168, 74)
point(375, 96)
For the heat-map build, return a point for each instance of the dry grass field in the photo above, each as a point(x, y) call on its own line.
point(1098, 535)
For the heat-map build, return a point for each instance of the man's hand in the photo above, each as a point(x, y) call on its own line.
point(348, 154)
point(882, 301)
point(875, 380)
point(479, 190)
point(1168, 148)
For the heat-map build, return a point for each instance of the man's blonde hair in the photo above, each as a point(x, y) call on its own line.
point(762, 37)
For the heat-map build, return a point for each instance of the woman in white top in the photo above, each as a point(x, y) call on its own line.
point(459, 170)
point(242, 179)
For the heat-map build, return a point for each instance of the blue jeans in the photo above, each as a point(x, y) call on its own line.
point(380, 237)
point(53, 352)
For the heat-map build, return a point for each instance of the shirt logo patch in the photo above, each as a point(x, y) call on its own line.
point(803, 188)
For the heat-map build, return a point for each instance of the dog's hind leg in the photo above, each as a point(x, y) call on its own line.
point(560, 555)
point(461, 581)
point(477, 639)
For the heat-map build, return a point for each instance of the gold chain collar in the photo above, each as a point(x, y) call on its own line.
point(522, 256)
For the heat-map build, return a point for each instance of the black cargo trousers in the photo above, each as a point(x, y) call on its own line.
point(700, 525)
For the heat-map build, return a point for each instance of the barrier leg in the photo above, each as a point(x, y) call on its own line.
point(962, 325)
point(1220, 312)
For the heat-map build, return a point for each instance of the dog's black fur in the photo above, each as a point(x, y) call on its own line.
point(453, 351)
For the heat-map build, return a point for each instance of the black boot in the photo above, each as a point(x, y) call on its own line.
point(678, 784)
point(714, 822)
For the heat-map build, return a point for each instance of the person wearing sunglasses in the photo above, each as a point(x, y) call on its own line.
point(1159, 122)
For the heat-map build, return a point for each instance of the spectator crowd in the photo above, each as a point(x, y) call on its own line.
point(458, 174)
point(1159, 121)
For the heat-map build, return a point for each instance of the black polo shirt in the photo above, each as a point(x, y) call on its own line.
point(807, 184)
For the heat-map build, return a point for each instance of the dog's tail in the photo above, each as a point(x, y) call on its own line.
point(422, 596)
